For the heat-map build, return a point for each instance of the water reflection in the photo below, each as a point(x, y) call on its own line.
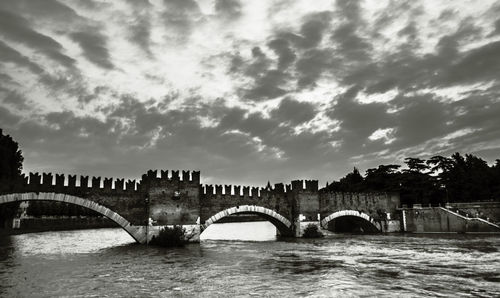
point(93, 263)
point(246, 231)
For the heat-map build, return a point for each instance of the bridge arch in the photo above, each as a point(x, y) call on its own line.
point(283, 225)
point(133, 231)
point(362, 218)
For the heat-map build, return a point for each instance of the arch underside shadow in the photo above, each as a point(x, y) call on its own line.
point(283, 225)
point(350, 221)
point(133, 231)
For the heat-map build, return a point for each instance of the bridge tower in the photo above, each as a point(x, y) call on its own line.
point(173, 200)
point(305, 205)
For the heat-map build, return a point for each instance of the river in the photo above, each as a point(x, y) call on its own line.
point(107, 263)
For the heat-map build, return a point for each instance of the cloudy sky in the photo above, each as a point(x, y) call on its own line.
point(247, 91)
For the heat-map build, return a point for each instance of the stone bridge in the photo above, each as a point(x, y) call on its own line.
point(162, 199)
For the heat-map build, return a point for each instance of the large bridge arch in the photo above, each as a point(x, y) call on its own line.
point(133, 231)
point(283, 225)
point(367, 221)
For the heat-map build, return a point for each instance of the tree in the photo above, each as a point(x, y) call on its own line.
point(11, 158)
point(416, 165)
point(495, 181)
point(384, 178)
point(11, 165)
point(352, 182)
point(417, 186)
point(437, 180)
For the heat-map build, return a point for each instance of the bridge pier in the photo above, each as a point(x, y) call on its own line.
point(192, 232)
point(300, 227)
point(302, 222)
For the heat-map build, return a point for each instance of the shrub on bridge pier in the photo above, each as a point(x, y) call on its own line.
point(311, 231)
point(170, 237)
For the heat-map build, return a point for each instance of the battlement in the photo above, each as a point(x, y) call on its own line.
point(232, 191)
point(226, 191)
point(310, 185)
point(46, 182)
point(175, 176)
point(370, 202)
point(329, 193)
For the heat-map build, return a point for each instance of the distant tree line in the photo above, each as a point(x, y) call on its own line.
point(434, 181)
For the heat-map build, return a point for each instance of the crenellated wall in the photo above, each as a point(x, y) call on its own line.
point(214, 199)
point(376, 205)
point(166, 198)
point(127, 199)
point(45, 182)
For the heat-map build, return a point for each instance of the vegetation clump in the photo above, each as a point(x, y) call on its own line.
point(311, 231)
point(434, 181)
point(170, 237)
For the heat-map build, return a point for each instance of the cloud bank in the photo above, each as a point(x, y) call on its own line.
point(247, 92)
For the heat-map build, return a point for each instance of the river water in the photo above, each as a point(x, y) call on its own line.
point(107, 263)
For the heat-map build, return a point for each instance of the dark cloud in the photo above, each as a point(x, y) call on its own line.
point(17, 100)
point(18, 29)
point(180, 16)
point(406, 70)
point(497, 27)
point(139, 4)
point(140, 28)
point(266, 81)
point(480, 64)
point(140, 34)
point(68, 123)
point(294, 111)
point(7, 80)
point(228, 8)
point(410, 31)
point(267, 86)
point(8, 54)
point(447, 14)
point(311, 65)
point(351, 45)
point(299, 58)
point(8, 119)
point(49, 11)
point(236, 62)
point(94, 48)
point(230, 118)
point(479, 111)
point(411, 129)
point(282, 48)
point(144, 120)
point(358, 121)
point(86, 97)
point(94, 5)
point(259, 65)
point(313, 29)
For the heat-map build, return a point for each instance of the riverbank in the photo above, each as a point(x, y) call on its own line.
point(46, 224)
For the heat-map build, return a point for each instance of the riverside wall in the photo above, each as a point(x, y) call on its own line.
point(443, 220)
point(487, 210)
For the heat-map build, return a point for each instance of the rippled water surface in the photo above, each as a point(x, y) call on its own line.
point(106, 262)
